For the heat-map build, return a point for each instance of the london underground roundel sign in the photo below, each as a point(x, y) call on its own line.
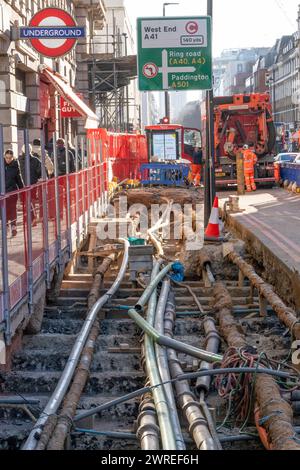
point(52, 32)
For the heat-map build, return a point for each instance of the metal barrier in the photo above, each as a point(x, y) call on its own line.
point(43, 224)
point(165, 174)
point(290, 172)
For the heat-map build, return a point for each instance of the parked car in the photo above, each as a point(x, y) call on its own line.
point(286, 157)
point(297, 159)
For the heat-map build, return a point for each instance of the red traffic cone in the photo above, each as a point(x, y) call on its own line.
point(213, 229)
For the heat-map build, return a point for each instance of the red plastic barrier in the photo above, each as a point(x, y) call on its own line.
point(121, 154)
point(109, 155)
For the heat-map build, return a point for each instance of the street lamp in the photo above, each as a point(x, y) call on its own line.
point(166, 4)
point(167, 98)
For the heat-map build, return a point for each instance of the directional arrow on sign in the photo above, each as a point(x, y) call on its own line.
point(186, 38)
point(165, 69)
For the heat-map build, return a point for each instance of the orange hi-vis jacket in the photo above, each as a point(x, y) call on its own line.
point(250, 159)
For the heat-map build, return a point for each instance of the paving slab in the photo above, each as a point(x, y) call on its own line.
point(269, 223)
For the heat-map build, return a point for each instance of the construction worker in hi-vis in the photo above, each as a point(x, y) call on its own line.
point(250, 159)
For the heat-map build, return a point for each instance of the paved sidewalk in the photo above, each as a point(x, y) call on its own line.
point(273, 216)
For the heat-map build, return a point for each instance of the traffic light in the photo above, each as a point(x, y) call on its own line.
point(268, 79)
point(165, 120)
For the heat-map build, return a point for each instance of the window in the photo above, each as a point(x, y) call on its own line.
point(20, 81)
point(240, 68)
point(164, 146)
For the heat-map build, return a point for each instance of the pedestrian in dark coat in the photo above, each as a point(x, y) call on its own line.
point(13, 182)
point(37, 152)
point(61, 158)
point(35, 166)
point(35, 175)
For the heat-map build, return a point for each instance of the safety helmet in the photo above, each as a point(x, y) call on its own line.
point(246, 147)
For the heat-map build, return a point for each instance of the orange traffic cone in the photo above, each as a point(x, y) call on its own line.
point(213, 229)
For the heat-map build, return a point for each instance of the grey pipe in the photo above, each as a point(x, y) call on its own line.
point(212, 345)
point(161, 404)
point(163, 366)
point(210, 273)
point(160, 339)
point(172, 343)
point(160, 224)
point(153, 284)
point(66, 377)
point(210, 421)
point(148, 431)
point(203, 383)
point(197, 423)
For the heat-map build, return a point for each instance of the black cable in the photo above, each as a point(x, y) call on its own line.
point(194, 375)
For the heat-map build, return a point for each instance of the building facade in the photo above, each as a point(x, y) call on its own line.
point(27, 99)
point(113, 71)
point(284, 82)
point(277, 72)
point(232, 69)
point(150, 109)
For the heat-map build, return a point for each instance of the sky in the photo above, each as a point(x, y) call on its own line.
point(237, 23)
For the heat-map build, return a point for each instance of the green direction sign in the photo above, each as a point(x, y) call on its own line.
point(174, 53)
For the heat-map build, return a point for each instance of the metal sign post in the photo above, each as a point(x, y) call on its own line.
point(4, 249)
point(30, 215)
point(77, 193)
point(210, 122)
point(207, 194)
point(44, 189)
point(174, 53)
point(68, 196)
point(57, 199)
point(210, 181)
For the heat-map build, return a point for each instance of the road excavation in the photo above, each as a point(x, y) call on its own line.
point(157, 342)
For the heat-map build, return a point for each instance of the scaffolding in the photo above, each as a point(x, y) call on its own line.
point(109, 75)
point(109, 79)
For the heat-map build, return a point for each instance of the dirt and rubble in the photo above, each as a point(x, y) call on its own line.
point(36, 368)
point(149, 196)
point(116, 364)
point(189, 223)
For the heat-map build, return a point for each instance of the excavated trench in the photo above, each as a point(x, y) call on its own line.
point(116, 367)
point(272, 269)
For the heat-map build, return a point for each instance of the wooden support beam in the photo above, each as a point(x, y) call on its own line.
point(263, 306)
point(241, 279)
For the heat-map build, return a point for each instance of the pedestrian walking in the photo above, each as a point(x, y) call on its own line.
point(61, 158)
point(61, 155)
point(37, 152)
point(250, 160)
point(35, 168)
point(34, 165)
point(13, 182)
